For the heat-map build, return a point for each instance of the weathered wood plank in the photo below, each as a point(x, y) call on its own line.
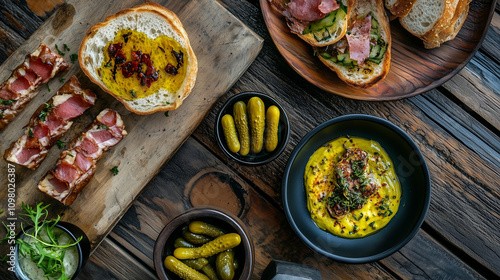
point(144, 146)
point(24, 24)
point(112, 262)
point(491, 43)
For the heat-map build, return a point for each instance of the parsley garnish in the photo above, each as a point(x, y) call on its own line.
point(30, 132)
point(61, 79)
point(71, 155)
point(1, 114)
point(166, 114)
point(102, 126)
point(73, 57)
point(60, 144)
point(114, 170)
point(133, 93)
point(48, 88)
point(7, 102)
point(66, 47)
point(168, 103)
point(59, 51)
point(45, 111)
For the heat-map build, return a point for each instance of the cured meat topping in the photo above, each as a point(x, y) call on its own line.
point(77, 164)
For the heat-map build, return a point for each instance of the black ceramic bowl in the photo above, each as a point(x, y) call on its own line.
point(83, 248)
point(164, 245)
point(410, 168)
point(264, 156)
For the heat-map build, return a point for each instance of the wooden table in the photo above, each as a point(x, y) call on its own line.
point(455, 125)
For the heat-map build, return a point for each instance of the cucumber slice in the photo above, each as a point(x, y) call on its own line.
point(375, 50)
point(322, 35)
point(320, 24)
point(326, 55)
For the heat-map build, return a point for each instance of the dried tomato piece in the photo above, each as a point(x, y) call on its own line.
point(171, 69)
point(113, 48)
point(129, 68)
point(146, 59)
point(179, 56)
point(137, 55)
point(120, 57)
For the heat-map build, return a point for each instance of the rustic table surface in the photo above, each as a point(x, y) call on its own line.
point(455, 125)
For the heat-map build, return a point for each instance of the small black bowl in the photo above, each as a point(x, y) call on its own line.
point(164, 245)
point(264, 156)
point(83, 248)
point(410, 168)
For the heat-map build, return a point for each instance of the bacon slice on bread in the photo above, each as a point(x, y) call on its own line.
point(37, 69)
point(49, 123)
point(77, 164)
point(318, 22)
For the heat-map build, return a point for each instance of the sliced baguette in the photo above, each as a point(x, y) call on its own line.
point(154, 20)
point(439, 35)
point(425, 14)
point(337, 31)
point(399, 8)
point(367, 75)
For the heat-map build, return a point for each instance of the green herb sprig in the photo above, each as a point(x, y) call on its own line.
point(45, 111)
point(48, 255)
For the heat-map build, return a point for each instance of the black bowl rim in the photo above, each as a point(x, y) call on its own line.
point(382, 254)
point(233, 221)
point(218, 133)
point(82, 252)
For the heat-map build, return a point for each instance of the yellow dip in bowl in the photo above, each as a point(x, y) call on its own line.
point(351, 186)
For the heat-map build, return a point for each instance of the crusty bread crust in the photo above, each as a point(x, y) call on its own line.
point(309, 38)
point(177, 27)
point(377, 71)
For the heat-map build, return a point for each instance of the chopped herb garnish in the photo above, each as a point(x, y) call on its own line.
point(166, 114)
point(48, 88)
point(60, 144)
point(66, 47)
point(45, 111)
point(7, 102)
point(71, 155)
point(168, 103)
point(133, 93)
point(30, 132)
point(1, 114)
point(59, 51)
point(61, 79)
point(114, 170)
point(102, 126)
point(108, 64)
point(73, 57)
point(372, 224)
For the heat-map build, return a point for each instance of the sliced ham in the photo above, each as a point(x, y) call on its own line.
point(66, 172)
point(327, 6)
point(57, 184)
point(37, 69)
point(25, 154)
point(359, 40)
point(46, 125)
point(71, 108)
point(82, 162)
point(20, 84)
point(87, 148)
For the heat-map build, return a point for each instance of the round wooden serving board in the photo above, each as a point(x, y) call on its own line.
point(414, 69)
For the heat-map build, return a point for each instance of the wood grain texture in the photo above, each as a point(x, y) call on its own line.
point(152, 139)
point(414, 69)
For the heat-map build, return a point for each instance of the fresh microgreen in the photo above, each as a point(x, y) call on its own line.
point(59, 51)
point(45, 111)
point(48, 88)
point(47, 254)
point(73, 57)
point(114, 170)
point(60, 144)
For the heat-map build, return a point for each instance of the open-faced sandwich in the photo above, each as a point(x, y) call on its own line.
point(142, 57)
point(318, 22)
point(363, 56)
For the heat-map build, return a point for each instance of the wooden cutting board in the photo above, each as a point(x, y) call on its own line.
point(224, 46)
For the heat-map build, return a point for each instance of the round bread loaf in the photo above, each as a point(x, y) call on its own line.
point(151, 21)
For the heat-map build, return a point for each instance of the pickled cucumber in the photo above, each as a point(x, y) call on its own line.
point(205, 228)
point(241, 121)
point(181, 269)
point(225, 265)
point(194, 238)
point(256, 116)
point(272, 121)
point(182, 243)
point(219, 244)
point(230, 133)
point(196, 263)
point(210, 272)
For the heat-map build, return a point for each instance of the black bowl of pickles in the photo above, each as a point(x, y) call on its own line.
point(204, 244)
point(252, 128)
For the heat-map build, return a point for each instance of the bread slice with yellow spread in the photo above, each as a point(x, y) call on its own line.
point(142, 57)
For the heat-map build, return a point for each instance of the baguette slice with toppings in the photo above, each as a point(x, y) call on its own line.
point(142, 57)
point(362, 58)
point(318, 22)
point(428, 14)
